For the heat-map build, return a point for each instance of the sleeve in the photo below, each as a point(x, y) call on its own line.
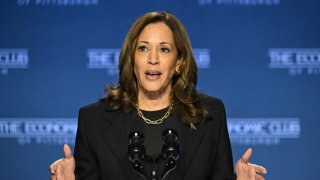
point(86, 164)
point(223, 166)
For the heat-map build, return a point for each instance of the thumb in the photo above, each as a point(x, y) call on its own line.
point(246, 156)
point(67, 151)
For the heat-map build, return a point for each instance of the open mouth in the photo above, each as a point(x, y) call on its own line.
point(153, 75)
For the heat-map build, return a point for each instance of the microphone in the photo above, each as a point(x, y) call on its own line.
point(137, 152)
point(147, 167)
point(170, 150)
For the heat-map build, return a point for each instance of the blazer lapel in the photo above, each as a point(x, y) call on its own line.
point(189, 141)
point(116, 136)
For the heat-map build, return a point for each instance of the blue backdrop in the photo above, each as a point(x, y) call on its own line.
point(261, 57)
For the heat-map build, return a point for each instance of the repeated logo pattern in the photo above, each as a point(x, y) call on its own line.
point(13, 59)
point(58, 131)
point(296, 61)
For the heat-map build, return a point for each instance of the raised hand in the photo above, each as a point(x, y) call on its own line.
point(249, 171)
point(63, 169)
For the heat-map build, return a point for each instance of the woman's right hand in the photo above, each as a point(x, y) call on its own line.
point(63, 169)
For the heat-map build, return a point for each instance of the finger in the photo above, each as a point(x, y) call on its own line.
point(59, 172)
point(52, 171)
point(258, 169)
point(246, 156)
point(53, 177)
point(67, 151)
point(53, 167)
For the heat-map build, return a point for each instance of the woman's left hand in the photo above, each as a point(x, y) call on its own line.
point(249, 171)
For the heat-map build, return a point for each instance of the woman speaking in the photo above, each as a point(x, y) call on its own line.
point(155, 113)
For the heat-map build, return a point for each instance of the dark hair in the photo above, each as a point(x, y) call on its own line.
point(187, 101)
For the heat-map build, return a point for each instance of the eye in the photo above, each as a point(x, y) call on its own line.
point(142, 48)
point(165, 50)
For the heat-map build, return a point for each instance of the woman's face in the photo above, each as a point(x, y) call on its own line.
point(155, 58)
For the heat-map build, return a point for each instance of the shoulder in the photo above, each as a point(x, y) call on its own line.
point(211, 102)
point(100, 110)
point(93, 116)
point(214, 106)
point(96, 108)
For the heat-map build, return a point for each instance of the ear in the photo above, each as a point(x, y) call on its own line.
point(178, 63)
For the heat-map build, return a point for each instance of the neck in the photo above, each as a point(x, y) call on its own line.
point(151, 101)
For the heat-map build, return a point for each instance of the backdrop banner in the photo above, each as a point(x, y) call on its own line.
point(261, 57)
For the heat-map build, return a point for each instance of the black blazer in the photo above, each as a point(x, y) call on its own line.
point(102, 144)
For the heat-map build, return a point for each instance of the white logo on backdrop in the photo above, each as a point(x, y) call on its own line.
point(46, 3)
point(202, 57)
point(58, 131)
point(104, 59)
point(46, 131)
point(262, 131)
point(296, 60)
point(109, 59)
point(13, 59)
point(240, 2)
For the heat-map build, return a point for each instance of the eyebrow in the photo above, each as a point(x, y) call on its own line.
point(160, 42)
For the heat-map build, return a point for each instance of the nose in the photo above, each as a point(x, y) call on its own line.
point(153, 57)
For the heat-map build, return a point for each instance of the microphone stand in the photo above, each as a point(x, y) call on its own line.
point(144, 165)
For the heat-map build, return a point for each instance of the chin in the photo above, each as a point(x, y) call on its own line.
point(153, 89)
